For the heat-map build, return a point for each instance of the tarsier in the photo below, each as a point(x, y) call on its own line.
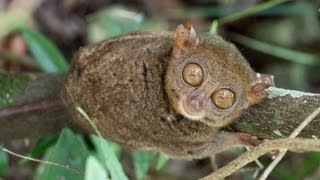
point(172, 92)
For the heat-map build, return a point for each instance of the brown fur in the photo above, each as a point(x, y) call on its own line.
point(120, 83)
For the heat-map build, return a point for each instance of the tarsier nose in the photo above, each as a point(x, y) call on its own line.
point(196, 103)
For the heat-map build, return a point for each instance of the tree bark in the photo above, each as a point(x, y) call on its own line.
point(25, 88)
point(276, 117)
point(280, 114)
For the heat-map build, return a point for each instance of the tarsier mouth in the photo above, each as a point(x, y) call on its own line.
point(194, 108)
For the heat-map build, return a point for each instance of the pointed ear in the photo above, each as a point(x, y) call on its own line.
point(258, 91)
point(265, 78)
point(185, 36)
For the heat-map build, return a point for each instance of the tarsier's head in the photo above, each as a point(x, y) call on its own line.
point(209, 80)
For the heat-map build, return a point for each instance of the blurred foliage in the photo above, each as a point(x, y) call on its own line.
point(141, 162)
point(46, 54)
point(241, 10)
point(113, 21)
point(214, 27)
point(11, 87)
point(116, 148)
point(277, 51)
point(279, 36)
point(250, 11)
point(108, 158)
point(303, 167)
point(108, 154)
point(290, 30)
point(310, 163)
point(40, 147)
point(289, 76)
point(11, 20)
point(70, 150)
point(4, 162)
point(116, 20)
point(162, 161)
point(94, 170)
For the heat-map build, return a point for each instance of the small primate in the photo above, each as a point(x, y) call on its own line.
point(172, 92)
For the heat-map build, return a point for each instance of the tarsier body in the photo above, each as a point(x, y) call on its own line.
point(164, 91)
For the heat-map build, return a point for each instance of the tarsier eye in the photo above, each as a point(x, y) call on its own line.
point(223, 98)
point(192, 74)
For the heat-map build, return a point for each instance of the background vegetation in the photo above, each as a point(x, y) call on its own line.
point(279, 37)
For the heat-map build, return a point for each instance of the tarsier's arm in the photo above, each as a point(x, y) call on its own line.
point(224, 141)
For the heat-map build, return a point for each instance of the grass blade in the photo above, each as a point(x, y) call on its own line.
point(277, 51)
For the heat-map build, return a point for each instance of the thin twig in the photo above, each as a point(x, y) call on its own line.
point(31, 106)
point(274, 144)
point(258, 163)
point(249, 156)
point(24, 60)
point(41, 161)
point(294, 134)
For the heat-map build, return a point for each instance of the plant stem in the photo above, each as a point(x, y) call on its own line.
point(24, 60)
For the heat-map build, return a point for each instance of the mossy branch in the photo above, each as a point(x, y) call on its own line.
point(277, 117)
point(280, 115)
point(16, 90)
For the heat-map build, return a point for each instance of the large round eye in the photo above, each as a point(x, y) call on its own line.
point(192, 74)
point(223, 98)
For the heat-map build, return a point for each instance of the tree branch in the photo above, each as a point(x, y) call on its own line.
point(294, 134)
point(23, 88)
point(249, 156)
point(280, 115)
point(277, 117)
point(24, 60)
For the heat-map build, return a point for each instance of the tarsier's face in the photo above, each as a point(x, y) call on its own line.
point(211, 81)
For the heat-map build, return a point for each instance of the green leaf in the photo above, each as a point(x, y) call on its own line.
point(46, 54)
point(308, 165)
point(303, 167)
point(108, 158)
point(214, 27)
point(116, 148)
point(284, 173)
point(70, 150)
point(40, 147)
point(94, 170)
point(3, 161)
point(162, 161)
point(141, 162)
